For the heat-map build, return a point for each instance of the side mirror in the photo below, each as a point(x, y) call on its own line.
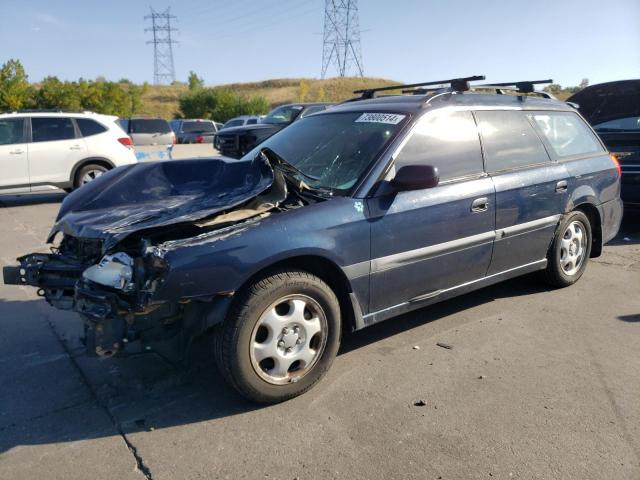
point(415, 177)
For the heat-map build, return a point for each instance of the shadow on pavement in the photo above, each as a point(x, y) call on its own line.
point(630, 318)
point(31, 199)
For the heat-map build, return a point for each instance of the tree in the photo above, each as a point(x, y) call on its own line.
point(303, 90)
point(220, 104)
point(56, 94)
point(584, 83)
point(195, 81)
point(554, 88)
point(15, 91)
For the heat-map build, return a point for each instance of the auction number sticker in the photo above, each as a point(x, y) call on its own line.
point(388, 118)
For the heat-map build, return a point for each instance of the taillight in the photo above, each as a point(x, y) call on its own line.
point(199, 139)
point(126, 141)
point(616, 162)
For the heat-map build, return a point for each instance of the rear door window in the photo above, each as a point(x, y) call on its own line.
point(90, 127)
point(446, 140)
point(509, 140)
point(252, 121)
point(149, 125)
point(44, 129)
point(566, 134)
point(11, 131)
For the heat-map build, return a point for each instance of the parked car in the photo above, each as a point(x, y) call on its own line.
point(148, 131)
point(237, 141)
point(240, 121)
point(613, 109)
point(347, 218)
point(192, 130)
point(42, 151)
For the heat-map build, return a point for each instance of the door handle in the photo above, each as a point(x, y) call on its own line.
point(16, 152)
point(561, 186)
point(75, 147)
point(480, 205)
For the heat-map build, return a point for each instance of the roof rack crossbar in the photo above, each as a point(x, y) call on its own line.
point(457, 84)
point(525, 86)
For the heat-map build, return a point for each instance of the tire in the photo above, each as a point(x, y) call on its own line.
point(280, 336)
point(91, 170)
point(570, 250)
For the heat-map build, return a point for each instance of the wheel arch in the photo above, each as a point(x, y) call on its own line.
point(104, 162)
point(329, 272)
point(592, 213)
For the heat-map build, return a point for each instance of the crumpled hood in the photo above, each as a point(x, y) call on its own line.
point(608, 101)
point(150, 195)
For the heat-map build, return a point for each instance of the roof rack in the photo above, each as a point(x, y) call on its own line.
point(525, 86)
point(455, 85)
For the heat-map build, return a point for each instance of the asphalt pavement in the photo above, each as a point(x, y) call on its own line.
point(538, 383)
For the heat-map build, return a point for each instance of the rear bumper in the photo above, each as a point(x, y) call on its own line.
point(611, 218)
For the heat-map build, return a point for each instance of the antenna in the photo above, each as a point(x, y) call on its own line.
point(163, 69)
point(341, 45)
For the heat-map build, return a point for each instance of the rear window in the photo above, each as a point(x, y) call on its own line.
point(198, 127)
point(233, 123)
point(149, 125)
point(628, 124)
point(446, 140)
point(50, 129)
point(89, 127)
point(509, 140)
point(566, 133)
point(11, 131)
point(252, 121)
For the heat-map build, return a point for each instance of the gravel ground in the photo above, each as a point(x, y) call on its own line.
point(539, 384)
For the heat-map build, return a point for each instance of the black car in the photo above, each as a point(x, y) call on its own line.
point(349, 217)
point(236, 142)
point(613, 109)
point(193, 130)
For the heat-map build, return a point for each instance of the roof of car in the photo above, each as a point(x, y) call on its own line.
point(471, 99)
point(54, 113)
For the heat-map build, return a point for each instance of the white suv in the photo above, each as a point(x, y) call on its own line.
point(42, 151)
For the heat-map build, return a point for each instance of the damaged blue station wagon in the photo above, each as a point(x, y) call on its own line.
point(373, 208)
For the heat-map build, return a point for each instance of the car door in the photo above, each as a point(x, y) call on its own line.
point(14, 160)
point(531, 190)
point(425, 241)
point(54, 150)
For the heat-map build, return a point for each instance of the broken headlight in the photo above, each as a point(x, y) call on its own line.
point(115, 271)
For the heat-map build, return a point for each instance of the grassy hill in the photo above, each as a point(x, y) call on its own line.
point(163, 100)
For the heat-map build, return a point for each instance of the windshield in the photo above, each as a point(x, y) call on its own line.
point(623, 124)
point(198, 127)
point(332, 151)
point(286, 114)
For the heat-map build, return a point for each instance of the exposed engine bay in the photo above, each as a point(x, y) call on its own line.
point(115, 232)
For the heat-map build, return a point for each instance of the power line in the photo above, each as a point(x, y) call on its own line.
point(341, 44)
point(163, 68)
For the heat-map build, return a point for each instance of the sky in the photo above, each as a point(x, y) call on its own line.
point(227, 41)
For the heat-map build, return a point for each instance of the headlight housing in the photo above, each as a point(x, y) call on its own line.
point(115, 271)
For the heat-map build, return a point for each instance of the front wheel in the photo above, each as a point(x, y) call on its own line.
point(280, 336)
point(570, 250)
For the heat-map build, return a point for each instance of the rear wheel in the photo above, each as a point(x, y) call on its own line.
point(280, 337)
point(570, 250)
point(87, 174)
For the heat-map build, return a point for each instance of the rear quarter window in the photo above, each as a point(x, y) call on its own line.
point(566, 134)
point(90, 127)
point(509, 141)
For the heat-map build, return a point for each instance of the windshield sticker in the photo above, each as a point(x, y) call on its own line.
point(388, 118)
point(358, 206)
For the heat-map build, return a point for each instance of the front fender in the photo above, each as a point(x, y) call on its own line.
point(221, 261)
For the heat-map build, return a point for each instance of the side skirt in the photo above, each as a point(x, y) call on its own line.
point(440, 295)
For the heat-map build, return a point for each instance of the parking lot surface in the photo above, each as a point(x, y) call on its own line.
point(538, 383)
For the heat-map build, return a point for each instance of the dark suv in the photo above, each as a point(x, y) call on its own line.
point(349, 217)
point(237, 141)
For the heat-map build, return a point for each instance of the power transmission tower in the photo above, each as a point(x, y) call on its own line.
point(163, 69)
point(341, 37)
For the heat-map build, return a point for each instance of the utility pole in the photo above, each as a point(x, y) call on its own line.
point(341, 46)
point(163, 69)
